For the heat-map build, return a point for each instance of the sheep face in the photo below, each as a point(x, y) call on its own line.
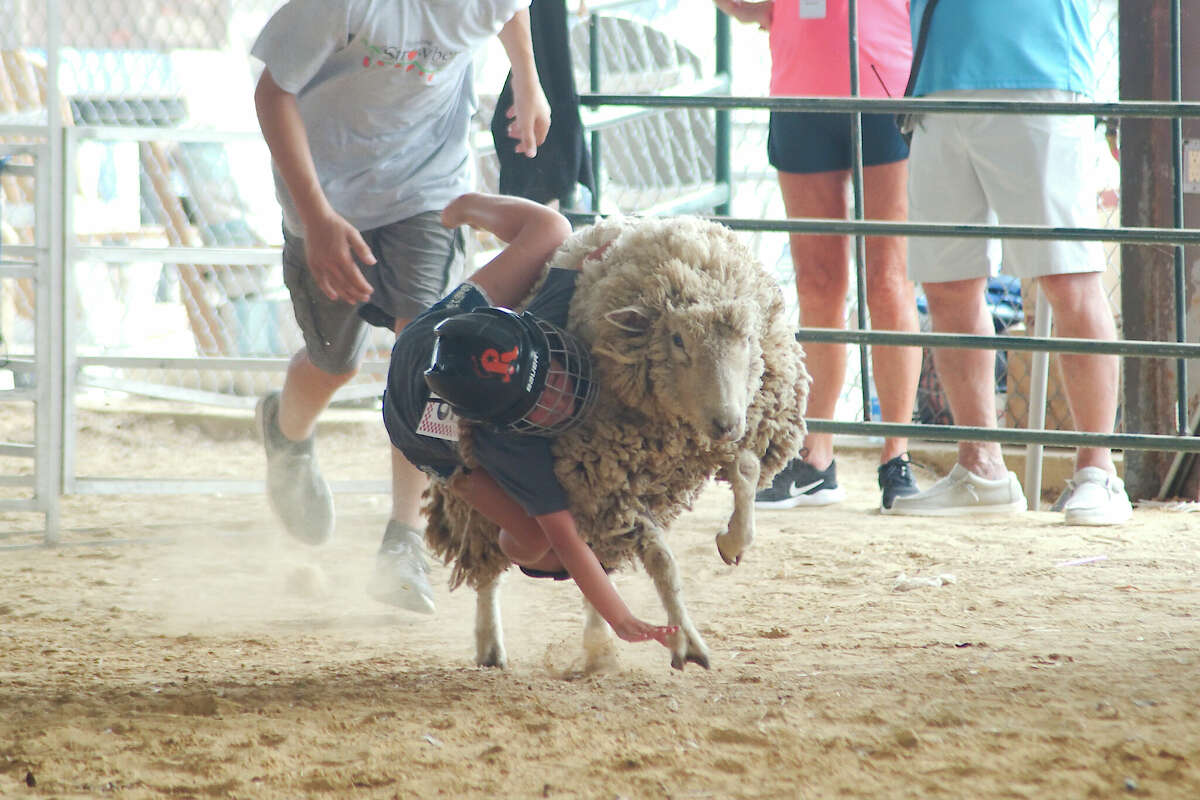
point(702, 365)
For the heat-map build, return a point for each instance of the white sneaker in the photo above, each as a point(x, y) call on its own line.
point(963, 492)
point(1097, 498)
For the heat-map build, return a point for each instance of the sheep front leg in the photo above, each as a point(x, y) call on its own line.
point(489, 635)
point(660, 565)
point(739, 534)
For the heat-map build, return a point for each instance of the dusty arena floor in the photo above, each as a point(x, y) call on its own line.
point(182, 647)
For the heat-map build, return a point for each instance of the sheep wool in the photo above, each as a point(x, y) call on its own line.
point(700, 376)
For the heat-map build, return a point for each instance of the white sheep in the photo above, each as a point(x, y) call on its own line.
point(700, 375)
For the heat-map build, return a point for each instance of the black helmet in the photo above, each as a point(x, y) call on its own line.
point(511, 370)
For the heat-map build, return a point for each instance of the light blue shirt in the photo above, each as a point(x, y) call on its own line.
point(1005, 44)
point(386, 92)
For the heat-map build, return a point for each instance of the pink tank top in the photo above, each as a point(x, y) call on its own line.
point(810, 48)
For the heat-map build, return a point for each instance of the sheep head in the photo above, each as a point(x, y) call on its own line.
point(670, 314)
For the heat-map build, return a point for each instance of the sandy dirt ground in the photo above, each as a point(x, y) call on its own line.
point(184, 647)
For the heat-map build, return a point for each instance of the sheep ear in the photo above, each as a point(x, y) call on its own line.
point(629, 318)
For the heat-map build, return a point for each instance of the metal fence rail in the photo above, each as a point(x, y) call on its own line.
point(102, 82)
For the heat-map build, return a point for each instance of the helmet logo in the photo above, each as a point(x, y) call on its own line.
point(492, 363)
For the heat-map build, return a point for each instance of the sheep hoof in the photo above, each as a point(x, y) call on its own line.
point(730, 552)
point(692, 650)
point(679, 660)
point(492, 657)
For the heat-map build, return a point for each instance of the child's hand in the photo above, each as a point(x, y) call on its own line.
point(530, 118)
point(334, 249)
point(633, 629)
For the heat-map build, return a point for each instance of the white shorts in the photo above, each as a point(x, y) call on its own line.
point(1011, 169)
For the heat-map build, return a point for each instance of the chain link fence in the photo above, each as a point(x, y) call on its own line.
point(172, 226)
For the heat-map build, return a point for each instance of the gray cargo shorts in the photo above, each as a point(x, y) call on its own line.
point(417, 261)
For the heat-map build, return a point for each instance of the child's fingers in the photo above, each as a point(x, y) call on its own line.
point(663, 633)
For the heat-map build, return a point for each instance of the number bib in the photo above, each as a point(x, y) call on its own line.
point(438, 420)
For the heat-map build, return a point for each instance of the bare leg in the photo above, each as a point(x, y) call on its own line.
point(1081, 311)
point(821, 265)
point(891, 300)
point(307, 391)
point(967, 376)
point(408, 482)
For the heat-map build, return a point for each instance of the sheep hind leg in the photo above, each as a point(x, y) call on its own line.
point(489, 634)
point(660, 565)
point(599, 650)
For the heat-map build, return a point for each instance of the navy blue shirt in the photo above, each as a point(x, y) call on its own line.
point(520, 463)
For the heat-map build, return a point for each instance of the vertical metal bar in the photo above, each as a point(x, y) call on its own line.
point(856, 181)
point(58, 302)
point(1039, 373)
point(723, 172)
point(1181, 382)
point(69, 331)
point(594, 87)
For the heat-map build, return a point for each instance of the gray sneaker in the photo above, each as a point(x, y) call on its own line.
point(401, 575)
point(962, 492)
point(297, 492)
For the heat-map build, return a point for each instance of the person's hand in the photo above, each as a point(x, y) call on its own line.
point(529, 119)
point(633, 629)
point(331, 245)
point(758, 13)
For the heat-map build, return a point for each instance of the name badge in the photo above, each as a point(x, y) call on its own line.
point(438, 420)
point(812, 9)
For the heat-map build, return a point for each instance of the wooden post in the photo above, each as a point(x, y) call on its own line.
point(1147, 282)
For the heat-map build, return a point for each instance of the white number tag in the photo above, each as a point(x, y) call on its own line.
point(438, 420)
point(812, 9)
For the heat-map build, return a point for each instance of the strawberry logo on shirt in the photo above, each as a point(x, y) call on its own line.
point(424, 58)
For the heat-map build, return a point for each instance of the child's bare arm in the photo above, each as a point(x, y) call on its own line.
point(330, 242)
point(530, 113)
point(581, 562)
point(533, 232)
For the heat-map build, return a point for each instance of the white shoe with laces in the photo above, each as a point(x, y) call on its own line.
point(1097, 498)
point(961, 493)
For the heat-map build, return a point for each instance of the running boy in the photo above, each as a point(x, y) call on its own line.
point(365, 106)
point(524, 379)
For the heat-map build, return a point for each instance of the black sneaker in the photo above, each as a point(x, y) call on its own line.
point(801, 484)
point(401, 575)
point(896, 480)
point(296, 490)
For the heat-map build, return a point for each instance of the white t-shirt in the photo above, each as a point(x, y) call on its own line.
point(386, 91)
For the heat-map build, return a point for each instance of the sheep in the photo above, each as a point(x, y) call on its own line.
point(700, 376)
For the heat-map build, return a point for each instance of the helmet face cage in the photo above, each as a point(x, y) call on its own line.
point(567, 392)
point(511, 371)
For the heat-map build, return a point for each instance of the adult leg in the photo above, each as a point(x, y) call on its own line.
point(1081, 311)
point(967, 376)
point(891, 300)
point(821, 266)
